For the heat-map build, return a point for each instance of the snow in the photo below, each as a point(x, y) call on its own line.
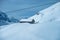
point(51, 13)
point(25, 20)
point(44, 30)
point(36, 17)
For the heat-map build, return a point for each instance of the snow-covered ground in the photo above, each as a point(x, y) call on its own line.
point(45, 31)
point(48, 27)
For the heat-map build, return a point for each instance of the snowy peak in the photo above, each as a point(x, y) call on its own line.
point(51, 13)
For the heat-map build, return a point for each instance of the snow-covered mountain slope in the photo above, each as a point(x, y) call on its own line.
point(51, 13)
point(41, 31)
point(36, 17)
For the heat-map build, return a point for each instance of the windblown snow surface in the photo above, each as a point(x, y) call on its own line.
point(48, 27)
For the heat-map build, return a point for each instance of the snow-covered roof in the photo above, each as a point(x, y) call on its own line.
point(25, 20)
